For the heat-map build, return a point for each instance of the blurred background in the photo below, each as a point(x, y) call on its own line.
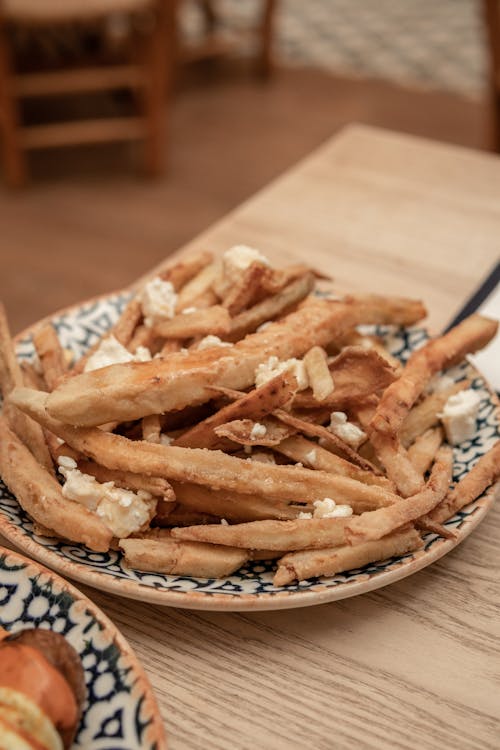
point(129, 126)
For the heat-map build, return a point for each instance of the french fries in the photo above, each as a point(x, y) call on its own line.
point(182, 558)
point(219, 471)
point(320, 377)
point(199, 466)
point(51, 354)
point(214, 320)
point(11, 376)
point(40, 495)
point(329, 562)
point(485, 472)
point(258, 403)
point(423, 450)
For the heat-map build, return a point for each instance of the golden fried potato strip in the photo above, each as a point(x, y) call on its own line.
point(421, 453)
point(50, 354)
point(483, 474)
point(468, 336)
point(40, 495)
point(214, 320)
point(11, 376)
point(211, 468)
point(329, 562)
point(256, 404)
point(173, 557)
point(377, 524)
point(311, 454)
point(320, 377)
point(312, 533)
point(424, 415)
point(357, 373)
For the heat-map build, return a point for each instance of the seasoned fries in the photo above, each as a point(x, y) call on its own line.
point(329, 562)
point(182, 558)
point(40, 495)
point(320, 377)
point(236, 416)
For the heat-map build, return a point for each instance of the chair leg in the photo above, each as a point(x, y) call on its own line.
point(160, 58)
point(12, 154)
point(491, 13)
point(267, 24)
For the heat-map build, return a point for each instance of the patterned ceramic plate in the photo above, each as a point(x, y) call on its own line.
point(251, 587)
point(120, 711)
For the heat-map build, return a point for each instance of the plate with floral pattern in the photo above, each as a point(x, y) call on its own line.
point(120, 712)
point(251, 588)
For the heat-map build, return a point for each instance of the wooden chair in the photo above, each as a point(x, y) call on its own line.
point(491, 14)
point(147, 72)
point(214, 45)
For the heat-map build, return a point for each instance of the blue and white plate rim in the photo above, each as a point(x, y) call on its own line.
point(90, 616)
point(190, 593)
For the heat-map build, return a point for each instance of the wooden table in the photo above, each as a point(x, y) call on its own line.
point(415, 665)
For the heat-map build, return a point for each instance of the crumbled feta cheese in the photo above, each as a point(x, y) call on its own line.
point(263, 458)
point(189, 310)
point(166, 439)
point(223, 522)
point(158, 301)
point(142, 354)
point(266, 371)
point(459, 416)
point(109, 352)
point(304, 516)
point(439, 383)
point(299, 465)
point(83, 488)
point(123, 511)
point(239, 258)
point(311, 457)
point(66, 462)
point(258, 430)
point(346, 431)
point(264, 326)
point(328, 508)
point(209, 341)
point(58, 441)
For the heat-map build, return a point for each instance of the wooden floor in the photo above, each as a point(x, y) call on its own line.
point(88, 223)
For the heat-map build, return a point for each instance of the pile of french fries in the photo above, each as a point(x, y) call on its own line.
point(260, 424)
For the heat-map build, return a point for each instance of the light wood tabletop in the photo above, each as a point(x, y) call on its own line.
point(414, 665)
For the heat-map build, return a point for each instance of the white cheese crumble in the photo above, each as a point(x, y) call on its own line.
point(258, 430)
point(304, 516)
point(111, 352)
point(223, 522)
point(142, 354)
point(239, 258)
point(266, 371)
point(328, 508)
point(209, 341)
point(189, 310)
point(123, 511)
point(459, 416)
point(311, 457)
point(346, 431)
point(165, 439)
point(67, 462)
point(263, 458)
point(158, 301)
